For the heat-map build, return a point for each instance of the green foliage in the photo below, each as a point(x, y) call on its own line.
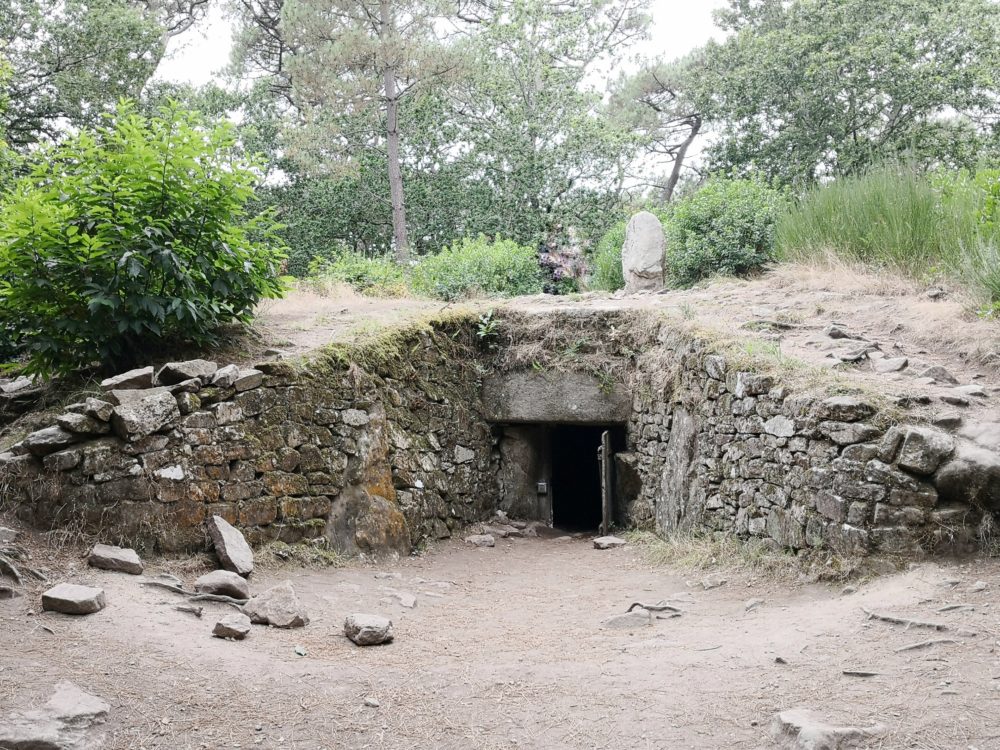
point(803, 89)
point(726, 227)
point(606, 260)
point(129, 234)
point(378, 275)
point(902, 220)
point(479, 266)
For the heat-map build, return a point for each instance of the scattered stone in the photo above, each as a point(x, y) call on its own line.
point(381, 575)
point(497, 531)
point(970, 390)
point(71, 599)
point(713, 582)
point(20, 383)
point(235, 627)
point(372, 702)
point(404, 598)
point(231, 547)
point(140, 418)
point(481, 540)
point(8, 536)
point(637, 618)
point(81, 424)
point(890, 364)
point(176, 372)
point(978, 586)
point(608, 542)
point(69, 721)
point(49, 440)
point(642, 253)
point(954, 399)
point(848, 590)
point(278, 606)
point(800, 729)
point(947, 421)
point(368, 630)
point(223, 583)
point(939, 375)
point(752, 604)
point(836, 331)
point(121, 559)
point(140, 378)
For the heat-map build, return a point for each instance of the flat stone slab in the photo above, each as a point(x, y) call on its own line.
point(72, 599)
point(278, 606)
point(235, 627)
point(223, 583)
point(231, 547)
point(801, 729)
point(177, 372)
point(49, 440)
point(481, 540)
point(368, 630)
point(608, 542)
point(629, 621)
point(139, 378)
point(71, 720)
point(121, 559)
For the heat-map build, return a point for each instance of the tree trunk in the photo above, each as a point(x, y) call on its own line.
point(675, 173)
point(392, 143)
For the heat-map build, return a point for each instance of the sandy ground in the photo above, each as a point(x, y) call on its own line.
point(504, 648)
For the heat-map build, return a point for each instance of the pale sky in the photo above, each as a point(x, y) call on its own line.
point(678, 27)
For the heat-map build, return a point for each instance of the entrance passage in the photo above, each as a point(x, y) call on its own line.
point(576, 474)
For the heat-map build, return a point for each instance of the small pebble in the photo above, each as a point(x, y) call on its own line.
point(371, 702)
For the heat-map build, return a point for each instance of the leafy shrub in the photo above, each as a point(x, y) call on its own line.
point(130, 234)
point(726, 227)
point(606, 260)
point(478, 266)
point(378, 275)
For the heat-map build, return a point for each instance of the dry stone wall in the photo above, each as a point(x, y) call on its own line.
point(374, 448)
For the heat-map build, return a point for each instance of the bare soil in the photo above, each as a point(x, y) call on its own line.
point(505, 649)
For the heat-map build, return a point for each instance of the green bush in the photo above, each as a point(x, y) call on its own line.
point(606, 260)
point(726, 227)
point(474, 267)
point(378, 276)
point(133, 233)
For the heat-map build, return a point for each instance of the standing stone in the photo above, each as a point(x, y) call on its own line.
point(368, 630)
point(224, 583)
point(123, 560)
point(141, 378)
point(231, 547)
point(71, 599)
point(278, 606)
point(642, 253)
point(234, 626)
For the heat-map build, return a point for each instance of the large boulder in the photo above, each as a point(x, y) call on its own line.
point(140, 418)
point(71, 599)
point(972, 474)
point(368, 630)
point(121, 559)
point(230, 546)
point(71, 720)
point(278, 606)
point(642, 253)
point(223, 583)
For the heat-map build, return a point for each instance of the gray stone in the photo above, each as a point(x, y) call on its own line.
point(481, 540)
point(226, 376)
point(278, 606)
point(779, 426)
point(637, 618)
point(8, 592)
point(848, 433)
point(976, 391)
point(226, 412)
point(752, 384)
point(642, 253)
point(131, 396)
point(463, 455)
point(98, 409)
point(954, 399)
point(355, 417)
point(716, 366)
point(63, 460)
point(176, 372)
point(138, 419)
point(608, 542)
point(231, 547)
point(235, 627)
point(224, 583)
point(71, 599)
point(249, 378)
point(801, 729)
point(81, 424)
point(924, 449)
point(71, 720)
point(836, 331)
point(939, 375)
point(404, 598)
point(570, 398)
point(8, 536)
point(890, 364)
point(49, 440)
point(845, 409)
point(140, 378)
point(368, 630)
point(20, 383)
point(121, 559)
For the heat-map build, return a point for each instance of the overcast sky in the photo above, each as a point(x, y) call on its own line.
point(678, 27)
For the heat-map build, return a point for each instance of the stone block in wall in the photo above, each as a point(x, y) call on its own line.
point(49, 440)
point(749, 384)
point(716, 366)
point(137, 419)
point(924, 449)
point(832, 506)
point(259, 511)
point(896, 540)
point(844, 409)
point(232, 492)
point(303, 508)
point(780, 426)
point(894, 515)
point(848, 433)
point(280, 483)
point(923, 497)
point(63, 460)
point(860, 453)
point(785, 529)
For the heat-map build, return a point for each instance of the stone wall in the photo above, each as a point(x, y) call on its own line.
point(375, 447)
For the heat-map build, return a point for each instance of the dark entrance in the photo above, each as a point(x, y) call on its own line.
point(576, 474)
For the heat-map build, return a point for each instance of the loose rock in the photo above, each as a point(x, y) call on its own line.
point(368, 630)
point(231, 547)
point(235, 626)
point(140, 378)
point(481, 540)
point(123, 560)
point(800, 729)
point(69, 721)
point(608, 542)
point(939, 375)
point(223, 583)
point(71, 599)
point(176, 372)
point(278, 606)
point(890, 364)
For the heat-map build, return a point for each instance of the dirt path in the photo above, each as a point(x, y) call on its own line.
point(504, 649)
